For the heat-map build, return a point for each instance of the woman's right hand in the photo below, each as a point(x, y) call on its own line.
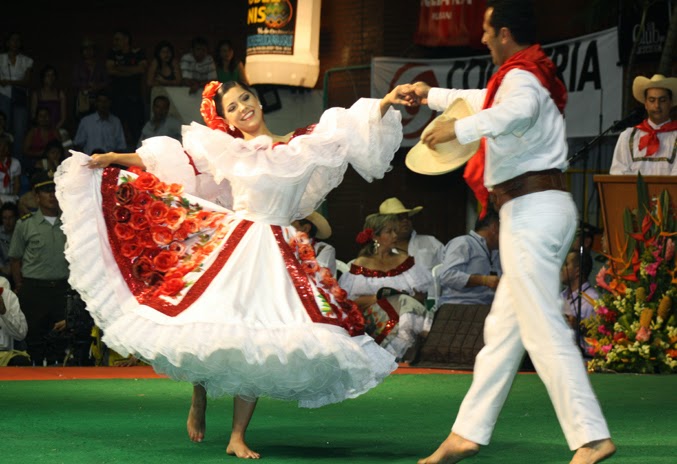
point(100, 161)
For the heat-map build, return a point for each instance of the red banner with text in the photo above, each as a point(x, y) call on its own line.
point(450, 23)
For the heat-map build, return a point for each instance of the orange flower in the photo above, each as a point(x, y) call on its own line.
point(306, 252)
point(121, 214)
point(176, 189)
point(157, 212)
point(310, 266)
point(141, 202)
point(138, 221)
point(161, 189)
point(145, 181)
point(130, 249)
point(203, 218)
point(339, 293)
point(672, 353)
point(123, 231)
point(165, 260)
point(161, 235)
point(171, 287)
point(174, 217)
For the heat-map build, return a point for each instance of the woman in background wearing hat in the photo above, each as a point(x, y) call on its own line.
point(318, 228)
point(232, 301)
point(389, 287)
point(650, 147)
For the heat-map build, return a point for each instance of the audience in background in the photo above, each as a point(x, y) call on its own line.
point(161, 122)
point(127, 67)
point(89, 78)
point(164, 67)
point(101, 130)
point(389, 288)
point(49, 96)
point(13, 328)
point(52, 157)
point(197, 66)
point(229, 68)
point(317, 228)
point(37, 138)
point(425, 249)
point(577, 298)
point(471, 266)
point(9, 214)
point(3, 128)
point(10, 172)
point(15, 80)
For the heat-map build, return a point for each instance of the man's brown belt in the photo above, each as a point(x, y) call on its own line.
point(524, 184)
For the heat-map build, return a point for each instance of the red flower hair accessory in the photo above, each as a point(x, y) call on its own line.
point(365, 236)
point(208, 111)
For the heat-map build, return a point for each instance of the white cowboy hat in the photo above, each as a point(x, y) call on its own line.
point(322, 225)
point(395, 206)
point(447, 156)
point(657, 81)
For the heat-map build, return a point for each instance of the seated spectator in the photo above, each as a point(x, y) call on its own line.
point(9, 213)
point(51, 97)
point(100, 130)
point(197, 66)
point(40, 273)
point(425, 249)
point(164, 68)
point(228, 67)
point(89, 78)
point(161, 122)
point(38, 137)
point(15, 79)
point(471, 266)
point(10, 172)
point(13, 328)
point(577, 268)
point(318, 228)
point(389, 288)
point(54, 154)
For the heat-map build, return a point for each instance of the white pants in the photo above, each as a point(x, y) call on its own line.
point(535, 234)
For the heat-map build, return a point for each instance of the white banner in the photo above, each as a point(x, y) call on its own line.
point(588, 66)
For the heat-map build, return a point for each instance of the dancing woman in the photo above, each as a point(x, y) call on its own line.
point(229, 299)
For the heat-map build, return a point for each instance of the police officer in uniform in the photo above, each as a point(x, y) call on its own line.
point(40, 273)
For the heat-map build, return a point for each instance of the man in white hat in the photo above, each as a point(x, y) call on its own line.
point(650, 147)
point(520, 117)
point(317, 227)
point(426, 249)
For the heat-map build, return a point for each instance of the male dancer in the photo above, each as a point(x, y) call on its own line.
point(520, 118)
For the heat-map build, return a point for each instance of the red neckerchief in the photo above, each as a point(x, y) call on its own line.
point(4, 168)
point(531, 59)
point(650, 139)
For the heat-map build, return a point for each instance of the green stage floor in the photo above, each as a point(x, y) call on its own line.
point(143, 421)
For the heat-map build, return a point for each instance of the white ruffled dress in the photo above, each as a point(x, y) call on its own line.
point(252, 315)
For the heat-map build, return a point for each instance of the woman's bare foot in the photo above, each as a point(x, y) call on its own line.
point(237, 447)
point(593, 452)
point(196, 423)
point(454, 449)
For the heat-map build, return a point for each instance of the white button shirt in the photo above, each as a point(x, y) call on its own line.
point(628, 159)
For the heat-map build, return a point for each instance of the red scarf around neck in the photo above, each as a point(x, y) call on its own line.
point(4, 168)
point(535, 61)
point(650, 139)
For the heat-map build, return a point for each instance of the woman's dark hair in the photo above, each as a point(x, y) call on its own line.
point(232, 64)
point(225, 87)
point(158, 48)
point(45, 70)
point(55, 144)
point(515, 15)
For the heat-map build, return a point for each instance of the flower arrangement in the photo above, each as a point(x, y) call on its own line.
point(161, 233)
point(634, 328)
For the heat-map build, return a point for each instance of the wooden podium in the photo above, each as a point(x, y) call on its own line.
point(616, 193)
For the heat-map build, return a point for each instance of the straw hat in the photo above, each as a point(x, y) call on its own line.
point(322, 225)
point(658, 81)
point(395, 206)
point(447, 156)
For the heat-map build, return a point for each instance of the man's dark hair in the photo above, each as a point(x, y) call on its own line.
point(10, 206)
point(517, 16)
point(584, 262)
point(487, 220)
point(161, 98)
point(199, 40)
point(313, 228)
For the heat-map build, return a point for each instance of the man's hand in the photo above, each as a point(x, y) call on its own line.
point(442, 130)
